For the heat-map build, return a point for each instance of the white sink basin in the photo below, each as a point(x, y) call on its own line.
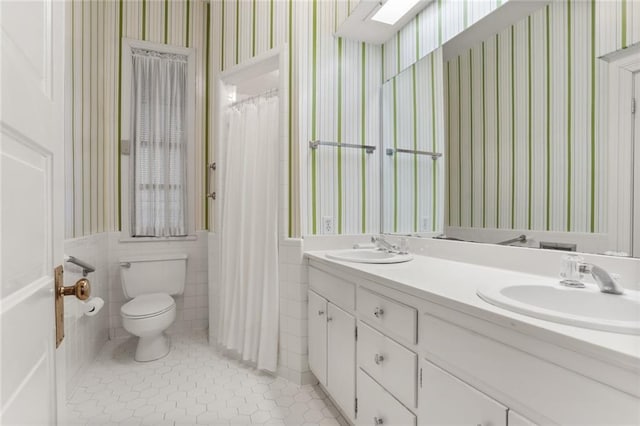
point(582, 307)
point(368, 256)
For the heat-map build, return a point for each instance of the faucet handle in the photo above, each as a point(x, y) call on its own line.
point(403, 247)
point(571, 271)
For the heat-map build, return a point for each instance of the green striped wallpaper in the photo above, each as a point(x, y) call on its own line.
point(333, 96)
point(413, 118)
point(341, 81)
point(440, 21)
point(92, 193)
point(526, 118)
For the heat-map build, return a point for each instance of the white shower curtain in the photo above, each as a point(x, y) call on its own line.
point(248, 302)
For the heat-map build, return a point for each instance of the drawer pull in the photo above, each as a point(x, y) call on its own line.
point(320, 313)
point(378, 312)
point(377, 421)
point(329, 319)
point(378, 359)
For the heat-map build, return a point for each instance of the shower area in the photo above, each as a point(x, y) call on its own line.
point(247, 185)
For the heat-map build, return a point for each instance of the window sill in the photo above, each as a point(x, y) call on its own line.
point(128, 239)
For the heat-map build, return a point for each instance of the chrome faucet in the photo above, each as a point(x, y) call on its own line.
point(573, 266)
point(606, 281)
point(382, 244)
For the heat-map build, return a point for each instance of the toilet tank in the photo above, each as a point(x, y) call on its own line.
point(158, 273)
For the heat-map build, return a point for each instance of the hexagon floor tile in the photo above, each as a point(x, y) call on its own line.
point(193, 385)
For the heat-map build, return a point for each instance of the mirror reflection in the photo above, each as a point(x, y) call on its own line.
point(413, 165)
point(526, 138)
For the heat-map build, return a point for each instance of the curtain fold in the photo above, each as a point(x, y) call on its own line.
point(248, 303)
point(159, 138)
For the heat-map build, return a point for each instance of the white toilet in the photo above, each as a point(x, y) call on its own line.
point(150, 281)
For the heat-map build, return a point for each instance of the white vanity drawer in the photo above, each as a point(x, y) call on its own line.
point(377, 407)
point(336, 290)
point(392, 365)
point(389, 315)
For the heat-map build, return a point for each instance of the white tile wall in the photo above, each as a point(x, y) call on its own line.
point(192, 306)
point(84, 335)
point(293, 359)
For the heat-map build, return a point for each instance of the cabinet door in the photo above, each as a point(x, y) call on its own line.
point(446, 400)
point(341, 358)
point(318, 336)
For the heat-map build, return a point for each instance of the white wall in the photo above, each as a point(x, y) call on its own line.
point(192, 306)
point(84, 336)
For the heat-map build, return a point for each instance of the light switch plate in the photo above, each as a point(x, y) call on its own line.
point(125, 147)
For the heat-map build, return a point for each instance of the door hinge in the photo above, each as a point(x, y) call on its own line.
point(633, 105)
point(356, 333)
point(421, 378)
point(356, 407)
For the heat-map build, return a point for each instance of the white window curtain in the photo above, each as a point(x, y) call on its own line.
point(159, 83)
point(248, 298)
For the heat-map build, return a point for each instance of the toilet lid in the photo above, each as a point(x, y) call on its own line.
point(147, 305)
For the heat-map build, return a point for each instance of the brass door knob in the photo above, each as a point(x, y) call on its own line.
point(81, 289)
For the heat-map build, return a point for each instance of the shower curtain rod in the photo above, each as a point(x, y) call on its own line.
point(269, 92)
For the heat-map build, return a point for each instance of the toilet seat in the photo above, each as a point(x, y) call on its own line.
point(147, 306)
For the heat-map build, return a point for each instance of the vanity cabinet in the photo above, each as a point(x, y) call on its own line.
point(387, 357)
point(446, 400)
point(332, 350)
point(318, 336)
point(341, 358)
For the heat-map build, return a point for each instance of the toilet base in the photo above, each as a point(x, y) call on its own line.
point(151, 348)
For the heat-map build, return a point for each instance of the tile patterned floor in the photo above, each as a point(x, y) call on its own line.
point(192, 385)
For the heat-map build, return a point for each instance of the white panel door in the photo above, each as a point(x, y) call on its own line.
point(446, 400)
point(32, 57)
point(318, 336)
point(341, 358)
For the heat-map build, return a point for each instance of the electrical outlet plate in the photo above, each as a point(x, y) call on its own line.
point(327, 225)
point(425, 224)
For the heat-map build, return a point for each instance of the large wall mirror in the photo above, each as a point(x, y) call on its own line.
point(523, 120)
point(413, 137)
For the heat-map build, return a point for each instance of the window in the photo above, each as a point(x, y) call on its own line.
point(159, 121)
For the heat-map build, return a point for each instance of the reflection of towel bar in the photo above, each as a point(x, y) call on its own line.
point(434, 155)
point(519, 239)
point(86, 268)
point(368, 148)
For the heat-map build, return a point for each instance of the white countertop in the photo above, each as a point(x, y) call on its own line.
point(453, 285)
